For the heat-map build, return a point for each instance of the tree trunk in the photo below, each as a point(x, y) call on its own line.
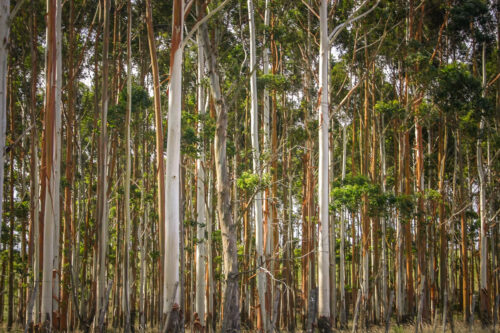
point(4, 39)
point(484, 306)
point(52, 157)
point(160, 169)
point(171, 292)
point(102, 183)
point(259, 241)
point(231, 312)
point(323, 115)
point(126, 240)
point(201, 252)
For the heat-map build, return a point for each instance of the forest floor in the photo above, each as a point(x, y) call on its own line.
point(459, 328)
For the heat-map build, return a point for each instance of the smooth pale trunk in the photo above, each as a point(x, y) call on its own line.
point(102, 215)
point(323, 245)
point(52, 153)
point(209, 305)
point(254, 129)
point(343, 318)
point(172, 288)
point(143, 230)
point(201, 253)
point(36, 237)
point(231, 311)
point(126, 241)
point(57, 173)
point(382, 220)
point(267, 138)
point(332, 236)
point(483, 286)
point(399, 248)
point(4, 37)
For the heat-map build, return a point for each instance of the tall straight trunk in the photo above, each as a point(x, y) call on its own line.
point(102, 181)
point(4, 39)
point(68, 201)
point(463, 226)
point(323, 115)
point(231, 311)
point(257, 204)
point(365, 221)
point(383, 222)
point(421, 228)
point(160, 169)
point(201, 251)
point(33, 253)
point(127, 240)
point(57, 174)
point(443, 246)
point(10, 297)
point(52, 157)
point(484, 306)
point(343, 212)
point(171, 292)
point(399, 147)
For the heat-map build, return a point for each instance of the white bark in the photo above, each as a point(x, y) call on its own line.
point(254, 129)
point(343, 318)
point(209, 305)
point(384, 249)
point(4, 38)
point(126, 241)
point(172, 178)
point(57, 161)
point(201, 253)
point(53, 158)
point(482, 201)
point(102, 215)
point(323, 244)
point(267, 137)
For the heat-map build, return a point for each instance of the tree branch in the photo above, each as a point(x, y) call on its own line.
point(200, 22)
point(351, 19)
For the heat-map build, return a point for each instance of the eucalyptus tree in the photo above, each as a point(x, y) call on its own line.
point(4, 39)
point(52, 158)
point(171, 289)
point(231, 312)
point(126, 247)
point(102, 192)
point(324, 123)
point(254, 129)
point(201, 248)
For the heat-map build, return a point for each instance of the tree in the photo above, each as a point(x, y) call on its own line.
point(172, 222)
point(324, 122)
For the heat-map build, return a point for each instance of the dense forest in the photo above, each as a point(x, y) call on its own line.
point(249, 165)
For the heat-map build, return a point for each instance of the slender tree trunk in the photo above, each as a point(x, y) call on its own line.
point(171, 292)
point(343, 215)
point(52, 157)
point(4, 39)
point(126, 240)
point(160, 169)
point(259, 241)
point(231, 311)
point(10, 298)
point(201, 252)
point(102, 183)
point(323, 115)
point(484, 305)
point(68, 201)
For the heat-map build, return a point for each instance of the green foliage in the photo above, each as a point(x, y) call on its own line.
point(272, 82)
point(140, 101)
point(390, 110)
point(350, 192)
point(252, 182)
